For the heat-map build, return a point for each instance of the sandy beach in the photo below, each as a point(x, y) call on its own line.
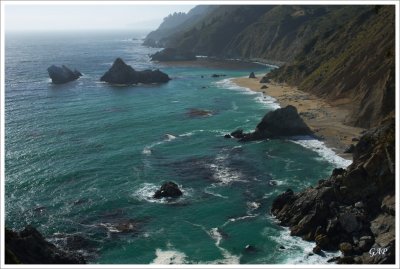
point(326, 120)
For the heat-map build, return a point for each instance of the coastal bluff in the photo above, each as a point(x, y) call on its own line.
point(354, 209)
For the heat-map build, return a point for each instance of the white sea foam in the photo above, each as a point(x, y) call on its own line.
point(229, 258)
point(234, 106)
point(169, 257)
point(223, 173)
point(239, 218)
point(147, 150)
point(208, 191)
point(169, 137)
point(299, 251)
point(323, 151)
point(268, 101)
point(191, 133)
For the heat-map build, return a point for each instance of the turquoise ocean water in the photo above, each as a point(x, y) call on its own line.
point(83, 159)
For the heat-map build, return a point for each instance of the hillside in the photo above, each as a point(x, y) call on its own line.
point(174, 24)
point(344, 54)
point(352, 66)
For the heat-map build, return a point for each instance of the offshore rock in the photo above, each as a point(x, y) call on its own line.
point(30, 247)
point(62, 75)
point(168, 189)
point(121, 73)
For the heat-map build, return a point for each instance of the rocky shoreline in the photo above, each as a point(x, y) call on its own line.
point(354, 209)
point(30, 247)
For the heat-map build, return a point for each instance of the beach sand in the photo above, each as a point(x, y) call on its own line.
point(326, 120)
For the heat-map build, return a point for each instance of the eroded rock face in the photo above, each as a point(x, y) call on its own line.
point(171, 54)
point(168, 189)
point(62, 75)
point(281, 122)
point(30, 247)
point(121, 73)
point(354, 209)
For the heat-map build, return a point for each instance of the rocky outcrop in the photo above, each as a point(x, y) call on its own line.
point(121, 73)
point(170, 54)
point(354, 210)
point(168, 189)
point(62, 75)
point(30, 247)
point(252, 75)
point(281, 122)
point(264, 79)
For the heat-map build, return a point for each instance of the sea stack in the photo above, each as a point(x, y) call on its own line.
point(121, 73)
point(62, 75)
point(281, 122)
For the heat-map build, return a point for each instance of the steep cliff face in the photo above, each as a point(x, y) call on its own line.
point(353, 65)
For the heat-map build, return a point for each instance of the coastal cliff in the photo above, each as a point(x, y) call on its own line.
point(354, 210)
point(344, 54)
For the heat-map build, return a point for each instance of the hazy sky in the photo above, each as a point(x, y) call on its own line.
point(85, 17)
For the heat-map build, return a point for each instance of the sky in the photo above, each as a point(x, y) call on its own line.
point(87, 17)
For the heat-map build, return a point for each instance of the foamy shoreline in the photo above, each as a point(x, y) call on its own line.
point(325, 120)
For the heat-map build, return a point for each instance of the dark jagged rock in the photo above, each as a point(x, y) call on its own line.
point(281, 122)
point(227, 136)
point(168, 189)
point(252, 75)
point(62, 75)
point(171, 54)
point(264, 87)
point(121, 73)
point(354, 209)
point(238, 133)
point(30, 247)
point(264, 79)
point(349, 149)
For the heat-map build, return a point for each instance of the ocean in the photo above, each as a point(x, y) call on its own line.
point(82, 160)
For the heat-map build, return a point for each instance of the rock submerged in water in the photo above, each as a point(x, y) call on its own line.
point(168, 189)
point(195, 112)
point(171, 54)
point(30, 247)
point(62, 75)
point(217, 75)
point(121, 73)
point(281, 122)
